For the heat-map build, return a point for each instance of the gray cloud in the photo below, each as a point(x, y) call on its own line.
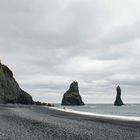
point(49, 44)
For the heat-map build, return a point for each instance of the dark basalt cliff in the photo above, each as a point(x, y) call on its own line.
point(118, 101)
point(72, 96)
point(10, 92)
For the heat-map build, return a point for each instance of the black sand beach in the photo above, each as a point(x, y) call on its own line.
point(18, 122)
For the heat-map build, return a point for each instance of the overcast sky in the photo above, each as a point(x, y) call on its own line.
point(50, 43)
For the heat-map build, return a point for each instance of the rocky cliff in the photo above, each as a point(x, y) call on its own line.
point(72, 96)
point(118, 101)
point(10, 92)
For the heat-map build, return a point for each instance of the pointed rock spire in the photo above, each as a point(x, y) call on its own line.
point(118, 101)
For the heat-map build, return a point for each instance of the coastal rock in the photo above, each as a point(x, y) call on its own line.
point(118, 101)
point(43, 104)
point(10, 92)
point(72, 96)
point(25, 98)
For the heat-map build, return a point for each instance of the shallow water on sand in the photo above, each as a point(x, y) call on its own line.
point(107, 109)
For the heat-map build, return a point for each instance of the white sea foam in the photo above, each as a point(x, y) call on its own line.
point(103, 116)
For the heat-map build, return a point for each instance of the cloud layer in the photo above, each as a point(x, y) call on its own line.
point(49, 44)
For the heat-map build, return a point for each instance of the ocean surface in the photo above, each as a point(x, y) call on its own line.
point(129, 110)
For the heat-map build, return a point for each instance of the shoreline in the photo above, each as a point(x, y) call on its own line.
point(72, 114)
point(40, 122)
point(101, 116)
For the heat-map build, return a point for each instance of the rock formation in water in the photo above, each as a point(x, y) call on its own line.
point(118, 101)
point(72, 96)
point(10, 92)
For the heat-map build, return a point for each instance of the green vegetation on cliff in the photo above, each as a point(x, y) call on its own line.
point(1, 69)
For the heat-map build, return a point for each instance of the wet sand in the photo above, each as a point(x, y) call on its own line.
point(18, 122)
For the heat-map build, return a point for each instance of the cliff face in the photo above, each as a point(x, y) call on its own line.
point(118, 101)
point(72, 96)
point(10, 92)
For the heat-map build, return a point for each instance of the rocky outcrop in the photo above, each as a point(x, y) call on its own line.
point(43, 104)
point(118, 101)
point(72, 96)
point(10, 92)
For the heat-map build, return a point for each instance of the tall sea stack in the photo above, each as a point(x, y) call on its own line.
point(118, 101)
point(10, 92)
point(72, 96)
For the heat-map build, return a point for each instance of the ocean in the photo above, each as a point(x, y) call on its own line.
point(128, 110)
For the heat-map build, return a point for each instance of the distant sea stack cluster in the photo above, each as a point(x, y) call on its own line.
point(72, 96)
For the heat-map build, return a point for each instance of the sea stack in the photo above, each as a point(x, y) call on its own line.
point(10, 92)
point(118, 101)
point(72, 96)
